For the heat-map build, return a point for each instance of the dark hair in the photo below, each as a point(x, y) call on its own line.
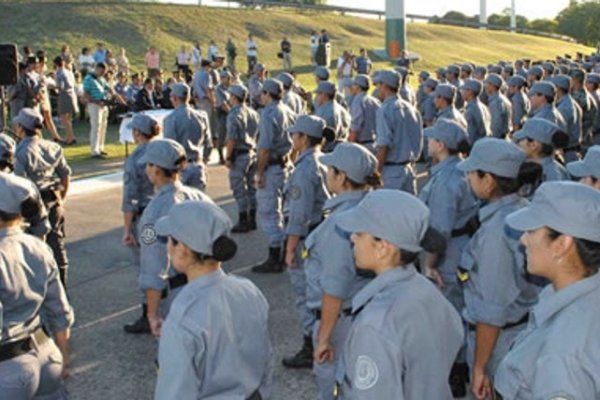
point(313, 141)
point(32, 132)
point(373, 181)
point(101, 65)
point(7, 164)
point(58, 61)
point(8, 217)
point(462, 147)
point(549, 99)
point(588, 252)
point(31, 208)
point(223, 249)
point(433, 242)
point(148, 80)
point(169, 173)
point(530, 174)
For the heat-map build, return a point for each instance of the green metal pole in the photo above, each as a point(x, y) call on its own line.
point(395, 28)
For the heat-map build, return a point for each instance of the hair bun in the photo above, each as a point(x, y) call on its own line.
point(433, 241)
point(224, 249)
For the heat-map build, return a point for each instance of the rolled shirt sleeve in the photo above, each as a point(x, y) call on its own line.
point(57, 312)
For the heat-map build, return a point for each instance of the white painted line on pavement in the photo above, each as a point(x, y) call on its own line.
point(106, 318)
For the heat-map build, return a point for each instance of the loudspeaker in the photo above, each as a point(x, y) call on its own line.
point(9, 67)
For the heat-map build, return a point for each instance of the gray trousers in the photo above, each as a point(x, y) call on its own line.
point(401, 177)
point(298, 280)
point(206, 106)
point(269, 201)
point(241, 182)
point(35, 375)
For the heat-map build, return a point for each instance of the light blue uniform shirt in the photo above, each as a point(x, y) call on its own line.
point(255, 89)
point(215, 342)
point(242, 127)
point(41, 161)
point(153, 252)
point(553, 171)
point(395, 348)
point(275, 120)
point(501, 114)
point(137, 188)
point(408, 94)
point(329, 266)
point(364, 110)
point(428, 110)
point(452, 114)
point(558, 355)
point(202, 84)
point(400, 128)
point(305, 193)
point(478, 120)
point(188, 127)
point(336, 117)
point(571, 113)
point(520, 108)
point(294, 102)
point(550, 113)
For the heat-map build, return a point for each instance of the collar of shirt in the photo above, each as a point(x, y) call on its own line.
point(305, 154)
point(168, 187)
point(10, 231)
point(448, 162)
point(487, 211)
point(391, 99)
point(543, 109)
point(493, 96)
point(551, 302)
point(378, 284)
point(334, 202)
point(562, 100)
point(447, 109)
point(207, 280)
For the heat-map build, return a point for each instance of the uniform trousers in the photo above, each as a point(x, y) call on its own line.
point(298, 281)
point(269, 201)
point(401, 177)
point(241, 182)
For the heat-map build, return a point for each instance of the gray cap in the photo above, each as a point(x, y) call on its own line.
point(577, 73)
point(509, 69)
point(198, 224)
point(389, 78)
point(224, 73)
point(424, 75)
point(536, 70)
point(544, 88)
point(453, 69)
point(494, 69)
point(354, 160)
point(326, 87)
point(7, 147)
point(561, 81)
point(495, 156)
point(539, 129)
point(589, 166)
point(143, 123)
point(392, 215)
point(517, 80)
point(548, 66)
point(593, 78)
point(286, 78)
point(570, 208)
point(14, 191)
point(375, 76)
point(273, 86)
point(362, 81)
point(473, 85)
point(259, 67)
point(165, 153)
point(180, 90)
point(322, 73)
point(494, 79)
point(432, 83)
point(467, 68)
point(480, 71)
point(446, 91)
point(238, 91)
point(310, 125)
point(448, 132)
point(29, 119)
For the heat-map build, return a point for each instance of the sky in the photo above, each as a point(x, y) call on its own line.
point(529, 8)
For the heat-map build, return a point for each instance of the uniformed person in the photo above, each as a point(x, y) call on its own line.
point(32, 361)
point(305, 196)
point(440, 75)
point(137, 193)
point(548, 69)
point(557, 356)
point(363, 111)
point(322, 74)
point(221, 111)
point(44, 163)
point(477, 115)
point(406, 91)
point(242, 133)
point(255, 86)
point(291, 98)
point(428, 110)
point(541, 96)
point(592, 84)
point(336, 117)
point(520, 69)
point(452, 78)
point(203, 88)
point(571, 113)
point(497, 290)
point(423, 76)
point(399, 138)
point(274, 145)
point(588, 169)
point(499, 106)
point(466, 70)
point(215, 341)
point(445, 95)
point(519, 101)
point(399, 313)
point(539, 139)
point(582, 96)
point(331, 275)
point(163, 159)
point(191, 129)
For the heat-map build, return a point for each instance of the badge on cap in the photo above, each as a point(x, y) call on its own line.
point(148, 235)
point(366, 373)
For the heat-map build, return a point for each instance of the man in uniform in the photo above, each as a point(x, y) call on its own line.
point(534, 74)
point(465, 71)
point(520, 68)
point(255, 85)
point(476, 113)
point(499, 105)
point(291, 98)
point(445, 95)
point(572, 116)
point(399, 135)
point(322, 74)
point(274, 145)
point(589, 107)
point(548, 69)
point(191, 129)
point(364, 113)
point(592, 84)
point(428, 110)
point(336, 117)
point(406, 91)
point(542, 95)
point(452, 76)
point(423, 75)
point(221, 110)
point(518, 100)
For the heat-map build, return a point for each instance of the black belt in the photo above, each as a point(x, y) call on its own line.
point(396, 163)
point(177, 281)
point(255, 396)
point(573, 148)
point(23, 346)
point(281, 161)
point(241, 151)
point(345, 312)
point(48, 195)
point(366, 142)
point(523, 320)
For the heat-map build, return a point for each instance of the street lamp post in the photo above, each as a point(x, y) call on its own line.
point(395, 28)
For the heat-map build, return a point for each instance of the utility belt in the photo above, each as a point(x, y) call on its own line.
point(468, 229)
point(573, 148)
point(281, 161)
point(49, 195)
point(366, 142)
point(346, 312)
point(389, 163)
point(23, 346)
point(255, 396)
point(522, 321)
point(238, 152)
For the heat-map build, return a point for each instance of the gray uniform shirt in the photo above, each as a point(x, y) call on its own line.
point(202, 84)
point(571, 112)
point(553, 171)
point(400, 128)
point(215, 342)
point(41, 161)
point(363, 111)
point(550, 113)
point(520, 108)
point(399, 314)
point(428, 110)
point(242, 127)
point(275, 120)
point(29, 285)
point(188, 127)
point(137, 188)
point(255, 89)
point(501, 114)
point(479, 123)
point(408, 94)
point(558, 355)
point(336, 117)
point(452, 114)
point(294, 102)
point(221, 95)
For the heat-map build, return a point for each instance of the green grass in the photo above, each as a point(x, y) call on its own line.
point(48, 25)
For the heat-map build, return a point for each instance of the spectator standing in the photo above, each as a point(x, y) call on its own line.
point(286, 54)
point(251, 53)
point(152, 62)
point(314, 45)
point(231, 52)
point(86, 61)
point(43, 87)
point(345, 66)
point(122, 63)
point(67, 98)
point(325, 48)
point(196, 56)
point(363, 63)
point(100, 53)
point(213, 51)
point(183, 61)
point(96, 91)
point(111, 62)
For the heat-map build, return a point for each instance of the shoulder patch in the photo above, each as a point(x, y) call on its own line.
point(366, 373)
point(560, 397)
point(148, 235)
point(295, 192)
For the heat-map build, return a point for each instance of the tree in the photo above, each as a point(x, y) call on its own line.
point(579, 20)
point(544, 25)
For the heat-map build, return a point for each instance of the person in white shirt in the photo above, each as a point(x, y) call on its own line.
point(345, 66)
point(251, 53)
point(213, 51)
point(86, 61)
point(183, 62)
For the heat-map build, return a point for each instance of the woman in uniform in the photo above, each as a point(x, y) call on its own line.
point(215, 342)
point(558, 356)
point(539, 139)
point(32, 363)
point(498, 292)
point(331, 276)
point(588, 169)
point(137, 193)
point(394, 349)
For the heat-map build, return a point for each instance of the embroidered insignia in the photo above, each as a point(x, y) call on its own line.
point(148, 235)
point(366, 373)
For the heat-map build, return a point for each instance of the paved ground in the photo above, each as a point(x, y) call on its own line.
point(109, 364)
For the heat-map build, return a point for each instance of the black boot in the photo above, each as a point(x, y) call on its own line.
point(272, 264)
point(140, 325)
point(459, 376)
point(221, 158)
point(252, 220)
point(242, 225)
point(303, 358)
